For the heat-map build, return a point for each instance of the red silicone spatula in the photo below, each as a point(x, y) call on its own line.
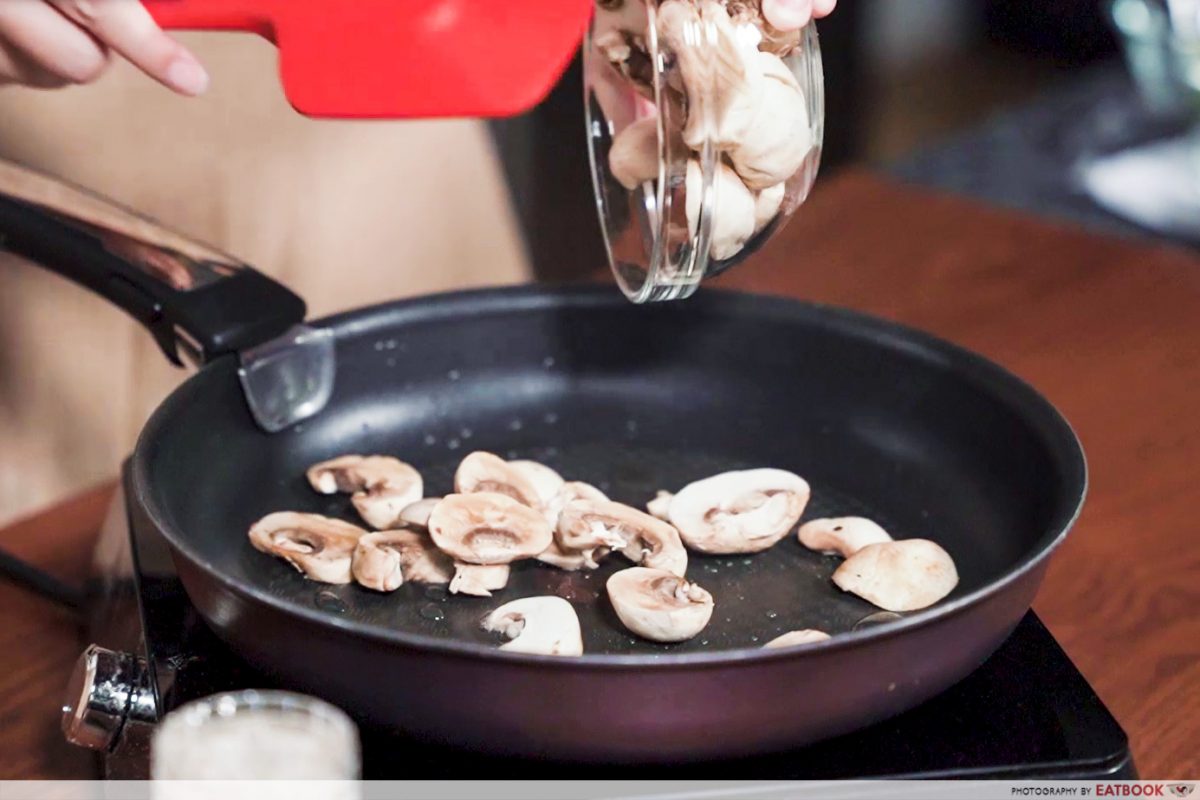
point(403, 58)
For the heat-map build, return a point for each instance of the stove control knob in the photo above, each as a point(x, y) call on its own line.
point(106, 690)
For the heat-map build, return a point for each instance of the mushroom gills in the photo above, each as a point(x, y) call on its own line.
point(538, 625)
point(843, 536)
point(487, 472)
point(478, 580)
point(744, 511)
point(383, 561)
point(659, 605)
point(319, 547)
point(905, 575)
point(382, 486)
point(487, 528)
point(598, 526)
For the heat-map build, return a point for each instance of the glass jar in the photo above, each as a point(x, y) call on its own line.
point(255, 735)
point(705, 127)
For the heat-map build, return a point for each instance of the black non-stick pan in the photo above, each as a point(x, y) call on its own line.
point(885, 422)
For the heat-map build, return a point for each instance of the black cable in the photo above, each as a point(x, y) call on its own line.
point(32, 579)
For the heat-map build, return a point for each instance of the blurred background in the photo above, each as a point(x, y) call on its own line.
point(1017, 103)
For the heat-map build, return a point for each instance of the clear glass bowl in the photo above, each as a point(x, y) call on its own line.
point(705, 128)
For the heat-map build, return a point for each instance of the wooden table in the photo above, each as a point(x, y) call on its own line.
point(1109, 330)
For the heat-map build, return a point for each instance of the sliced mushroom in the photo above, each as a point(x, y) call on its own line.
point(586, 525)
point(773, 40)
point(722, 80)
point(320, 547)
point(660, 506)
point(733, 216)
point(739, 512)
point(384, 560)
point(570, 560)
point(779, 137)
point(382, 486)
point(795, 638)
point(767, 203)
point(633, 158)
point(564, 557)
point(488, 528)
point(417, 514)
point(477, 580)
point(542, 625)
point(843, 536)
point(546, 482)
point(899, 576)
point(485, 472)
point(659, 605)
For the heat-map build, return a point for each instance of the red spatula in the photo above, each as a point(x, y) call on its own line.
point(403, 58)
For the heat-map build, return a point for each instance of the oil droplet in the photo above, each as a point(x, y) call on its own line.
point(550, 418)
point(704, 642)
point(771, 615)
point(432, 612)
point(631, 426)
point(515, 425)
point(746, 562)
point(430, 439)
point(453, 374)
point(379, 347)
point(453, 444)
point(713, 568)
point(548, 362)
point(754, 638)
point(438, 593)
point(391, 362)
point(466, 433)
point(328, 601)
point(878, 618)
point(742, 597)
point(390, 344)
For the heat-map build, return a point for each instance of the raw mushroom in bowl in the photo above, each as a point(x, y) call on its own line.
point(320, 547)
point(381, 486)
point(539, 625)
point(746, 511)
point(659, 605)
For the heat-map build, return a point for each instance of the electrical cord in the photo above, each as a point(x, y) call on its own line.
point(28, 577)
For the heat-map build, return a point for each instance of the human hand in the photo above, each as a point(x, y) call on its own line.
point(787, 15)
point(53, 43)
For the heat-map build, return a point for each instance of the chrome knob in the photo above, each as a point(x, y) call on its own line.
point(106, 690)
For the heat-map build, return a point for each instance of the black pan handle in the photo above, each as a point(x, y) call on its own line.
point(196, 301)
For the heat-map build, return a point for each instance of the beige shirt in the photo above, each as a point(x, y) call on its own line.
point(346, 213)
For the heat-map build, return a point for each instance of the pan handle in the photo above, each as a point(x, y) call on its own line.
point(197, 302)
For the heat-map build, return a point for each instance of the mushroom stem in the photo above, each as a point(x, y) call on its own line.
point(539, 625)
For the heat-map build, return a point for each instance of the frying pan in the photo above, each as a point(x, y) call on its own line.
point(885, 422)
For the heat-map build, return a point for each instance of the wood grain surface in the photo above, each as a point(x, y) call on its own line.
point(1109, 330)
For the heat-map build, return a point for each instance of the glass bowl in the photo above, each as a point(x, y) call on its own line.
point(705, 127)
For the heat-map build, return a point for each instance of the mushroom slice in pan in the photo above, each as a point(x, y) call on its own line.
point(899, 576)
point(842, 536)
point(320, 547)
point(384, 560)
point(739, 512)
point(660, 506)
point(488, 528)
point(416, 514)
point(658, 605)
point(542, 625)
point(566, 557)
point(590, 525)
point(570, 560)
point(796, 638)
point(486, 472)
point(479, 580)
point(546, 482)
point(382, 486)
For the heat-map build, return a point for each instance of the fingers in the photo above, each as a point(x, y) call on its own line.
point(789, 15)
point(41, 47)
point(127, 27)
